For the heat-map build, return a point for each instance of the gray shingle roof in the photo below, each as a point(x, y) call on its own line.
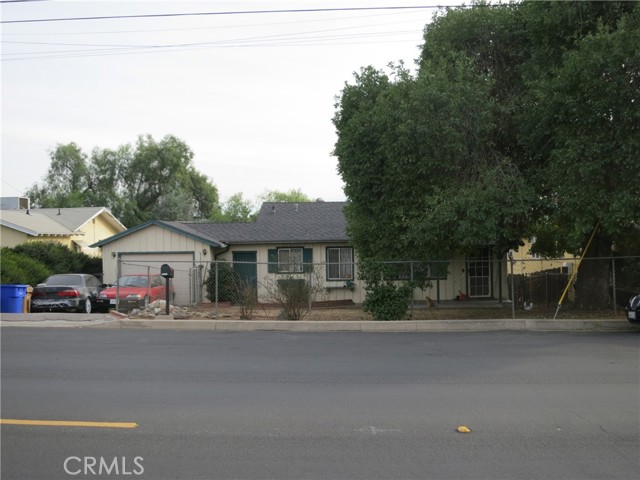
point(283, 223)
point(279, 222)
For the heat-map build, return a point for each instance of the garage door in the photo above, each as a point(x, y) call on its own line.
point(183, 267)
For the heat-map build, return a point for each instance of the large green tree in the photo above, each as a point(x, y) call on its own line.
point(521, 120)
point(582, 127)
point(149, 180)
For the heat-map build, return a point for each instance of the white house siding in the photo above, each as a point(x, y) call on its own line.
point(326, 290)
point(444, 289)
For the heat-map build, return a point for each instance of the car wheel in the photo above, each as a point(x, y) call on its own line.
point(88, 307)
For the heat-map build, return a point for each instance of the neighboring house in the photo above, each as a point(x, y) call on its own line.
point(76, 228)
point(527, 263)
point(306, 240)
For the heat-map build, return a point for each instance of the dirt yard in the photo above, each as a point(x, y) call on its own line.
point(355, 313)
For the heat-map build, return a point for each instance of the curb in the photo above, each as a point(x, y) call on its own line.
point(115, 320)
point(540, 325)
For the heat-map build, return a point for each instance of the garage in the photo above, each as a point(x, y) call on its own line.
point(145, 248)
point(186, 272)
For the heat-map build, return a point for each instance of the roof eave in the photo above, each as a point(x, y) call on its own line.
point(161, 224)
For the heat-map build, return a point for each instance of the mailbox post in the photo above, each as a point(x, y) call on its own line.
point(167, 272)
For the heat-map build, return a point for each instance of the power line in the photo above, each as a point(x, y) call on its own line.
point(317, 37)
point(256, 42)
point(23, 1)
point(299, 35)
point(191, 29)
point(238, 12)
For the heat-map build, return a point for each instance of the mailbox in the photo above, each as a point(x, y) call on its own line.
point(166, 271)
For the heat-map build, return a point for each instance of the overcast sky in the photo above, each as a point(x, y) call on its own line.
point(251, 94)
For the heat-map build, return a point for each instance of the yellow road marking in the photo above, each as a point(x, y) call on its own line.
point(65, 423)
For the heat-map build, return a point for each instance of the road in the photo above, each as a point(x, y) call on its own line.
point(256, 405)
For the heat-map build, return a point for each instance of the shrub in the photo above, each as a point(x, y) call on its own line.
point(248, 299)
point(387, 301)
point(61, 259)
point(227, 280)
point(293, 296)
point(18, 268)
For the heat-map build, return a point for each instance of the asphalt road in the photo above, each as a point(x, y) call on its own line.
point(254, 405)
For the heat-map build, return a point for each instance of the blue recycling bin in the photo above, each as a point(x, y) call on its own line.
point(12, 297)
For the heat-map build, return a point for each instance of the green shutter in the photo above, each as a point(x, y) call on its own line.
point(272, 259)
point(307, 259)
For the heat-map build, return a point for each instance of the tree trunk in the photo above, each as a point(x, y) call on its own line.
point(594, 280)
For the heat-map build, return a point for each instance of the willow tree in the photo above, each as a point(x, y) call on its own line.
point(148, 180)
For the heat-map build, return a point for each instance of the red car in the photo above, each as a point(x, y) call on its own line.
point(134, 291)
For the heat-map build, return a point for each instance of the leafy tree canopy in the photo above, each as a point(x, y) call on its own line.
point(149, 180)
point(293, 195)
point(521, 120)
point(235, 209)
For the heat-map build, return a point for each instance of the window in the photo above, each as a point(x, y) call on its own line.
point(340, 263)
point(479, 274)
point(290, 260)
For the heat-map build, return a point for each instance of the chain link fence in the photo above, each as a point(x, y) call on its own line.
point(519, 284)
point(541, 283)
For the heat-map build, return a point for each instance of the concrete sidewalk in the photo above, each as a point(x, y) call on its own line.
point(113, 321)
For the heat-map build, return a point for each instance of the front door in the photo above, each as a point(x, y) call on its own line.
point(246, 267)
point(479, 274)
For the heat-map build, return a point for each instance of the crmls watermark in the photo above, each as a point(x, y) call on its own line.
point(103, 466)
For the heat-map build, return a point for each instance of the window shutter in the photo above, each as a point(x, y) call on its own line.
point(272, 259)
point(307, 259)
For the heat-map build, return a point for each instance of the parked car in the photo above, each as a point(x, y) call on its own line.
point(633, 309)
point(68, 292)
point(135, 291)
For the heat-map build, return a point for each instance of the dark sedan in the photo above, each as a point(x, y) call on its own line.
point(633, 309)
point(69, 292)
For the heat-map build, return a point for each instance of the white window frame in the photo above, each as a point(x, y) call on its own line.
point(344, 265)
point(290, 260)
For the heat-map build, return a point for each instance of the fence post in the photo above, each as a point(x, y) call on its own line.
point(613, 280)
point(215, 310)
point(118, 275)
point(513, 291)
point(310, 286)
point(148, 283)
point(411, 307)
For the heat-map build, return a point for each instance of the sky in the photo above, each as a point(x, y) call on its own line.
point(252, 94)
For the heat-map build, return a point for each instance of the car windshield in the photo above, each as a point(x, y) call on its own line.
point(133, 281)
point(64, 280)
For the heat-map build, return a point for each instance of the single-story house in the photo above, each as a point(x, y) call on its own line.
point(306, 240)
point(76, 228)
